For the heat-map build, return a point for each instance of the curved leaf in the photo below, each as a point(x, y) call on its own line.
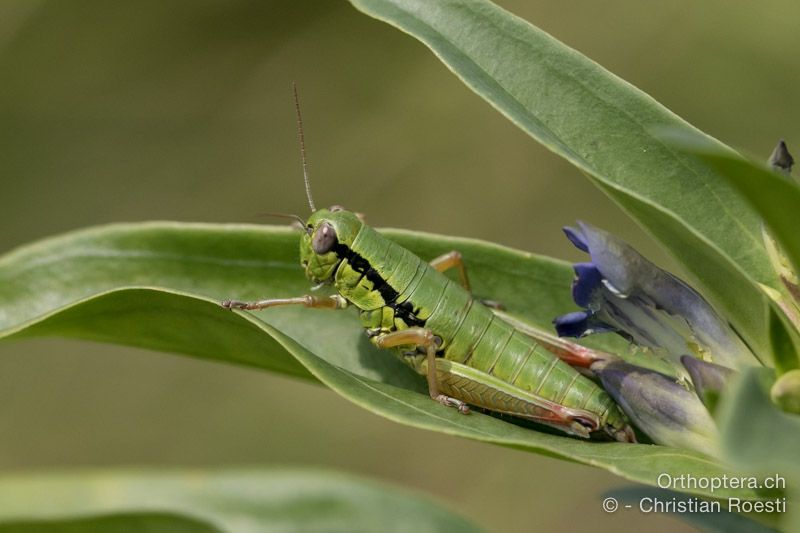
point(765, 441)
point(606, 127)
point(213, 501)
point(158, 285)
point(121, 521)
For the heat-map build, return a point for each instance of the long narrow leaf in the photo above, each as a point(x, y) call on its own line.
point(195, 501)
point(158, 285)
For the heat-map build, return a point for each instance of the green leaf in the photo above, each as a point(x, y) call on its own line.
point(775, 196)
point(157, 285)
point(760, 438)
point(756, 435)
point(605, 127)
point(131, 521)
point(213, 501)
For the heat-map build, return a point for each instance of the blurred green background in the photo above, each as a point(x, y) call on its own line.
point(125, 111)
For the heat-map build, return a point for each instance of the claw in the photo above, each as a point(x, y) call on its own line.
point(449, 401)
point(232, 304)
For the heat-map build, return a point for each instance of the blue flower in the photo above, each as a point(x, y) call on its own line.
point(621, 291)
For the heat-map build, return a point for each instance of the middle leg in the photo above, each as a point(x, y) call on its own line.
point(452, 260)
point(455, 260)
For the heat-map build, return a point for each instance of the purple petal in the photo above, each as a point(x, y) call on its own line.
point(574, 324)
point(579, 323)
point(588, 280)
point(615, 259)
point(575, 238)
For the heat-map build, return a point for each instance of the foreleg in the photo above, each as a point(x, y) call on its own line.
point(316, 302)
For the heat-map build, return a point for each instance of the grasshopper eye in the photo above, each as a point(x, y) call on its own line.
point(324, 239)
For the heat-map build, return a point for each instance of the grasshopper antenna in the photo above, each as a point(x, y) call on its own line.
point(298, 221)
point(302, 147)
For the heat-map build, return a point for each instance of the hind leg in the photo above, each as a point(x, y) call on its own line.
point(423, 338)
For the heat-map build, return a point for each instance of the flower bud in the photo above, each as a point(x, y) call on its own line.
point(780, 159)
point(786, 392)
point(660, 406)
point(709, 379)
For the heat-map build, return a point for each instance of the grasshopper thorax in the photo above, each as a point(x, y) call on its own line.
point(329, 234)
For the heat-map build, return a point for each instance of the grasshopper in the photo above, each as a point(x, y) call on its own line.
point(469, 353)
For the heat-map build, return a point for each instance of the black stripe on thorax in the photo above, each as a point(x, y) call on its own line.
point(404, 311)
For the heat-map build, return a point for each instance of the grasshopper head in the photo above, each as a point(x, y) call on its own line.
point(329, 233)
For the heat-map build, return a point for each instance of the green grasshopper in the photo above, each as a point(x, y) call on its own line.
point(469, 353)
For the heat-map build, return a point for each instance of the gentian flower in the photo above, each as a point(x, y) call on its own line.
point(621, 291)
